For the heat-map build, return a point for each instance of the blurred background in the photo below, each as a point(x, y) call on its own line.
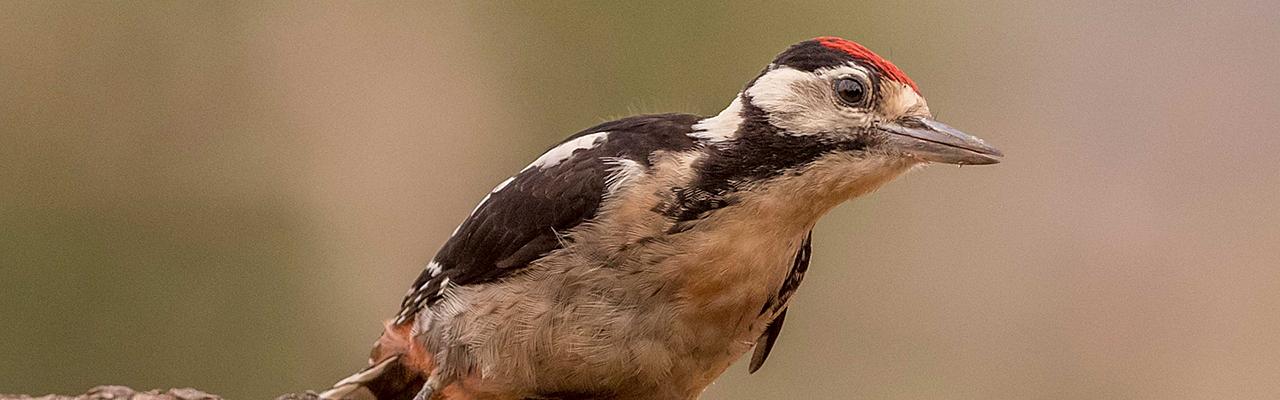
point(233, 195)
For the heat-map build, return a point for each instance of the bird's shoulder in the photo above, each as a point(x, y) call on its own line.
point(527, 215)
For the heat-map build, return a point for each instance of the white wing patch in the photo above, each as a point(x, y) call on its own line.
point(434, 269)
point(565, 150)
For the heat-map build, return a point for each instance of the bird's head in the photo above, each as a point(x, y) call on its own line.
point(829, 110)
point(837, 89)
point(838, 95)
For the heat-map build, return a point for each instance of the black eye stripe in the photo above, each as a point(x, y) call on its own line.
point(851, 91)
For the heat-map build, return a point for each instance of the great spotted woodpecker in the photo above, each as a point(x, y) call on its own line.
point(639, 258)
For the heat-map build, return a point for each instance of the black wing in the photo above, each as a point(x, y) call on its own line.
point(527, 216)
point(765, 343)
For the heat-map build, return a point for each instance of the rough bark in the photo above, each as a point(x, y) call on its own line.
point(125, 393)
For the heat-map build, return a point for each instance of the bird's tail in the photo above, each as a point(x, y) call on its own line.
point(391, 378)
point(387, 380)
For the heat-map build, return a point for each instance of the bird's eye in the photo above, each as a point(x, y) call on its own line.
point(851, 91)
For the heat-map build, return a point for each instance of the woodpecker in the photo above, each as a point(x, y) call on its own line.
point(639, 258)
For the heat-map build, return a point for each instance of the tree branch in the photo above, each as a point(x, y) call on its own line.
point(125, 393)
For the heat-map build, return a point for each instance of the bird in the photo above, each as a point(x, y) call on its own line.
point(639, 258)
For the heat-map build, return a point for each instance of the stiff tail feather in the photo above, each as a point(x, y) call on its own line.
point(393, 378)
point(386, 380)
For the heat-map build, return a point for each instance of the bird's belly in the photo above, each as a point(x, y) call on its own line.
point(565, 332)
point(617, 333)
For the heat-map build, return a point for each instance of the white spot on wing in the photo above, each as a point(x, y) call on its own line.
point(433, 268)
point(565, 150)
point(444, 286)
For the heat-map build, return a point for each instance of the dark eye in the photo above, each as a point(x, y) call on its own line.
point(851, 91)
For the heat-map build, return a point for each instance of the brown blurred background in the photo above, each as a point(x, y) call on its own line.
point(231, 196)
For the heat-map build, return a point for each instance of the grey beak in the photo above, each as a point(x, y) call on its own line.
point(934, 141)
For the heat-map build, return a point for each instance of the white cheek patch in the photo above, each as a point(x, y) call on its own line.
point(803, 103)
point(565, 150)
point(777, 88)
